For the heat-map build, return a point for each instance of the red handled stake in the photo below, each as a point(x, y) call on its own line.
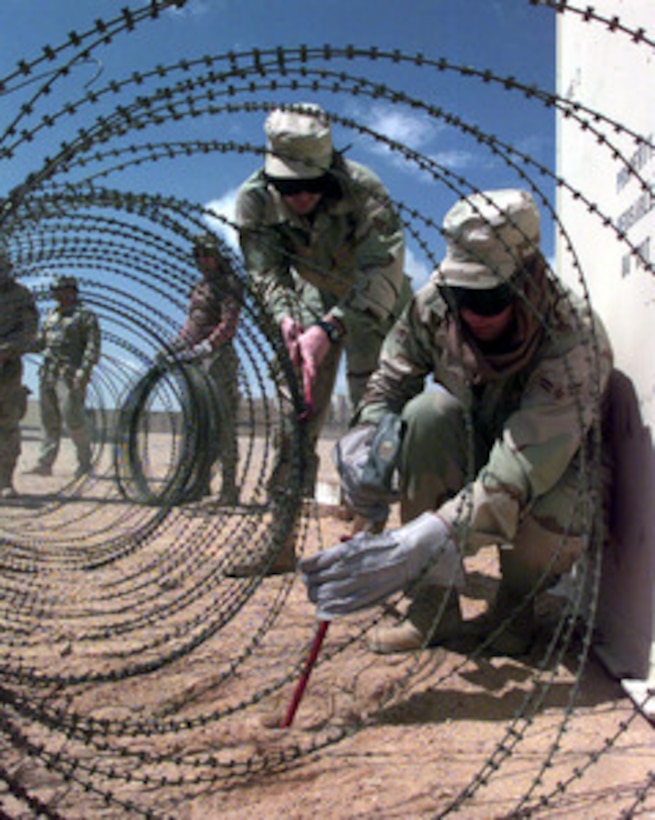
point(302, 682)
point(305, 414)
point(323, 625)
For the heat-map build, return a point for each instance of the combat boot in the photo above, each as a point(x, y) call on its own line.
point(229, 494)
point(228, 497)
point(40, 469)
point(433, 617)
point(201, 488)
point(7, 490)
point(257, 564)
point(82, 470)
point(513, 616)
point(284, 562)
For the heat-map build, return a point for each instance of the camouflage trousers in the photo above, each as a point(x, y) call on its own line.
point(62, 403)
point(360, 348)
point(362, 352)
point(439, 457)
point(223, 374)
point(13, 405)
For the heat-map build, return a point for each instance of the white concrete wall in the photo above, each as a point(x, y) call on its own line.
point(610, 73)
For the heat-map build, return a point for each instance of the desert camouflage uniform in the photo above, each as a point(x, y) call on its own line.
point(501, 456)
point(346, 259)
point(213, 316)
point(70, 341)
point(19, 321)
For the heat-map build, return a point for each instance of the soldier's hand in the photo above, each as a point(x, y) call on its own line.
point(351, 455)
point(195, 353)
point(203, 349)
point(365, 570)
point(164, 358)
point(313, 347)
point(291, 329)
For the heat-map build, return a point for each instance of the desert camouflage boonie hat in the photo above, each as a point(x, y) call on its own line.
point(62, 282)
point(299, 142)
point(489, 236)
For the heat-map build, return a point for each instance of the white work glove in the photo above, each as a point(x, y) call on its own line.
point(351, 454)
point(365, 570)
point(193, 354)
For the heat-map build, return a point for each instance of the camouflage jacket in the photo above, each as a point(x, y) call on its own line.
point(352, 249)
point(534, 418)
point(19, 321)
point(212, 313)
point(70, 341)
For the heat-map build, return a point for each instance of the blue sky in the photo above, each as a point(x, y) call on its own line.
point(510, 38)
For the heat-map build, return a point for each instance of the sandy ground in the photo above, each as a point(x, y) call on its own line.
point(139, 680)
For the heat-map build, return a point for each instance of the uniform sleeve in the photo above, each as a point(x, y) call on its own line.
point(537, 445)
point(91, 353)
point(226, 329)
point(378, 248)
point(404, 363)
point(21, 338)
point(265, 260)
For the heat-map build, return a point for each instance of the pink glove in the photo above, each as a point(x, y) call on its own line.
point(313, 346)
point(291, 329)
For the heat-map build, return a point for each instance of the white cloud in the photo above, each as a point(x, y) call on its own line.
point(413, 131)
point(192, 8)
point(410, 130)
point(455, 160)
point(416, 269)
point(224, 206)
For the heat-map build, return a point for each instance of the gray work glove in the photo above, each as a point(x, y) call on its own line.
point(365, 458)
point(193, 354)
point(378, 472)
point(367, 569)
point(176, 353)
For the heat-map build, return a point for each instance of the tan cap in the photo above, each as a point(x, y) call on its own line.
point(299, 142)
point(489, 235)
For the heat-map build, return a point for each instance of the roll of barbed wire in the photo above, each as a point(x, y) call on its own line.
point(173, 401)
point(140, 674)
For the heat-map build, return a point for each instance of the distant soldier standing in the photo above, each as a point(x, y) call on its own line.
point(19, 321)
point(208, 335)
point(70, 341)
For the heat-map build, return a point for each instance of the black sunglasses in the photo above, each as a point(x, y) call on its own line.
point(487, 302)
point(292, 187)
